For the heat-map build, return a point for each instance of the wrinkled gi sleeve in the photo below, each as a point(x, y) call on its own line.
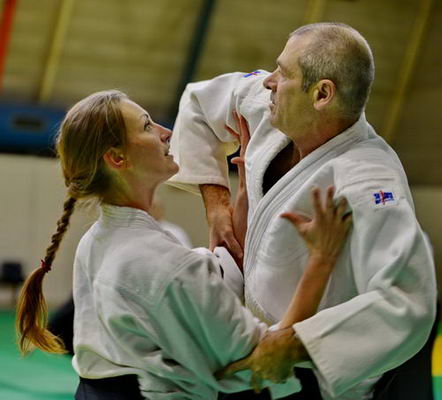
point(391, 318)
point(208, 326)
point(200, 141)
point(228, 269)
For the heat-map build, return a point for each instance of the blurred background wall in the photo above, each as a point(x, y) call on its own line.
point(54, 52)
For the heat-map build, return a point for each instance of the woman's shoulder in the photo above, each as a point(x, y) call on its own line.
point(146, 263)
point(150, 246)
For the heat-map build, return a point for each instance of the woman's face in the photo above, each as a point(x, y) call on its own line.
point(147, 145)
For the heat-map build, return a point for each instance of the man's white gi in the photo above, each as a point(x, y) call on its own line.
point(379, 305)
point(146, 305)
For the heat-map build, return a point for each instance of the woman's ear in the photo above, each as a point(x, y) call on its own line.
point(114, 158)
point(323, 94)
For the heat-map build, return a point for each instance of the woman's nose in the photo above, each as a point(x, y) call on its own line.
point(165, 134)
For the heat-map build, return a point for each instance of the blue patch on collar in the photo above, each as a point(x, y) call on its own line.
point(252, 73)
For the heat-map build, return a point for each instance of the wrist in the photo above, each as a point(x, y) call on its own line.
point(296, 351)
point(323, 259)
point(216, 200)
point(299, 351)
point(219, 211)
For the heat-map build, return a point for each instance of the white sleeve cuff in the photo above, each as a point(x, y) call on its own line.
point(228, 269)
point(232, 275)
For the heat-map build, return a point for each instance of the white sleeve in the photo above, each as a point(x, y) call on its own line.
point(200, 141)
point(232, 276)
point(227, 267)
point(391, 318)
point(209, 327)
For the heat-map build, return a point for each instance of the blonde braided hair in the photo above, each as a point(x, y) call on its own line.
point(90, 128)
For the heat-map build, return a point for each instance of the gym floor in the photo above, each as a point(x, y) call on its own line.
point(42, 376)
point(39, 376)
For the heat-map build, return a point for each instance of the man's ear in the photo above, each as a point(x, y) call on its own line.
point(114, 158)
point(324, 93)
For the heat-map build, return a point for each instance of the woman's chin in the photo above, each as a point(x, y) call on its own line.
point(174, 170)
point(177, 167)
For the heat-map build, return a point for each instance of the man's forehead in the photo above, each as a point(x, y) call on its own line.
point(288, 57)
point(292, 50)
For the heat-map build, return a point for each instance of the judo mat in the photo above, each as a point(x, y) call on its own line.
point(41, 376)
point(38, 376)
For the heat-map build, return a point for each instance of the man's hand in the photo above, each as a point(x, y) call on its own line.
point(219, 218)
point(273, 359)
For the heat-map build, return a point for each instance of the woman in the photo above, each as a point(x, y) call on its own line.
point(148, 311)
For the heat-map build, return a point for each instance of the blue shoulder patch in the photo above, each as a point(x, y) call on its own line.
point(383, 197)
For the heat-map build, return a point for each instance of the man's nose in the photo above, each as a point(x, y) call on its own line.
point(269, 82)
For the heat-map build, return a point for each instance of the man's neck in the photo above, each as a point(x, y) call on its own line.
point(319, 135)
point(283, 162)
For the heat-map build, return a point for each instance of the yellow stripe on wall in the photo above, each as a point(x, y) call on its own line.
point(437, 356)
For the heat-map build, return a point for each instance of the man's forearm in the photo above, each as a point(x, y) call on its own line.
point(219, 218)
point(215, 197)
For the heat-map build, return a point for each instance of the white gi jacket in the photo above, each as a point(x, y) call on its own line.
point(379, 305)
point(146, 305)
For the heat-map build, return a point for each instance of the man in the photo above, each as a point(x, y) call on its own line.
point(380, 303)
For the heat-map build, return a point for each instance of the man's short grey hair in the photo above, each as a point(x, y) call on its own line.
point(339, 53)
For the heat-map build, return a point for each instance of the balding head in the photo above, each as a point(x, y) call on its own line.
point(338, 52)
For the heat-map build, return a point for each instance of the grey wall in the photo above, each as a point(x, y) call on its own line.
point(31, 200)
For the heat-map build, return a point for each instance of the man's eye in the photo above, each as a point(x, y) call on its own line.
point(147, 126)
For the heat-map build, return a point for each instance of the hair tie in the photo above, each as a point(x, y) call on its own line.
point(46, 268)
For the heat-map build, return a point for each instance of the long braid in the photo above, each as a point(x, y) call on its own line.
point(62, 225)
point(32, 313)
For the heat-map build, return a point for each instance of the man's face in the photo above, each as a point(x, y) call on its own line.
point(290, 106)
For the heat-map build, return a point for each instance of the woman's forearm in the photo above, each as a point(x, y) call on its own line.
point(310, 290)
point(239, 215)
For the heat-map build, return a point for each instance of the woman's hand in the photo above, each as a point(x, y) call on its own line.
point(243, 137)
point(227, 224)
point(241, 206)
point(326, 232)
point(324, 236)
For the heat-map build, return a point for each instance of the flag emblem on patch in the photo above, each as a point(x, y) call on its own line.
point(252, 73)
point(383, 197)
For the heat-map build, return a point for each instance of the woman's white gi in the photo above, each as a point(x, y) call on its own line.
point(379, 306)
point(146, 305)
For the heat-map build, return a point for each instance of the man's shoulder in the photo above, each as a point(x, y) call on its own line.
point(367, 160)
point(368, 170)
